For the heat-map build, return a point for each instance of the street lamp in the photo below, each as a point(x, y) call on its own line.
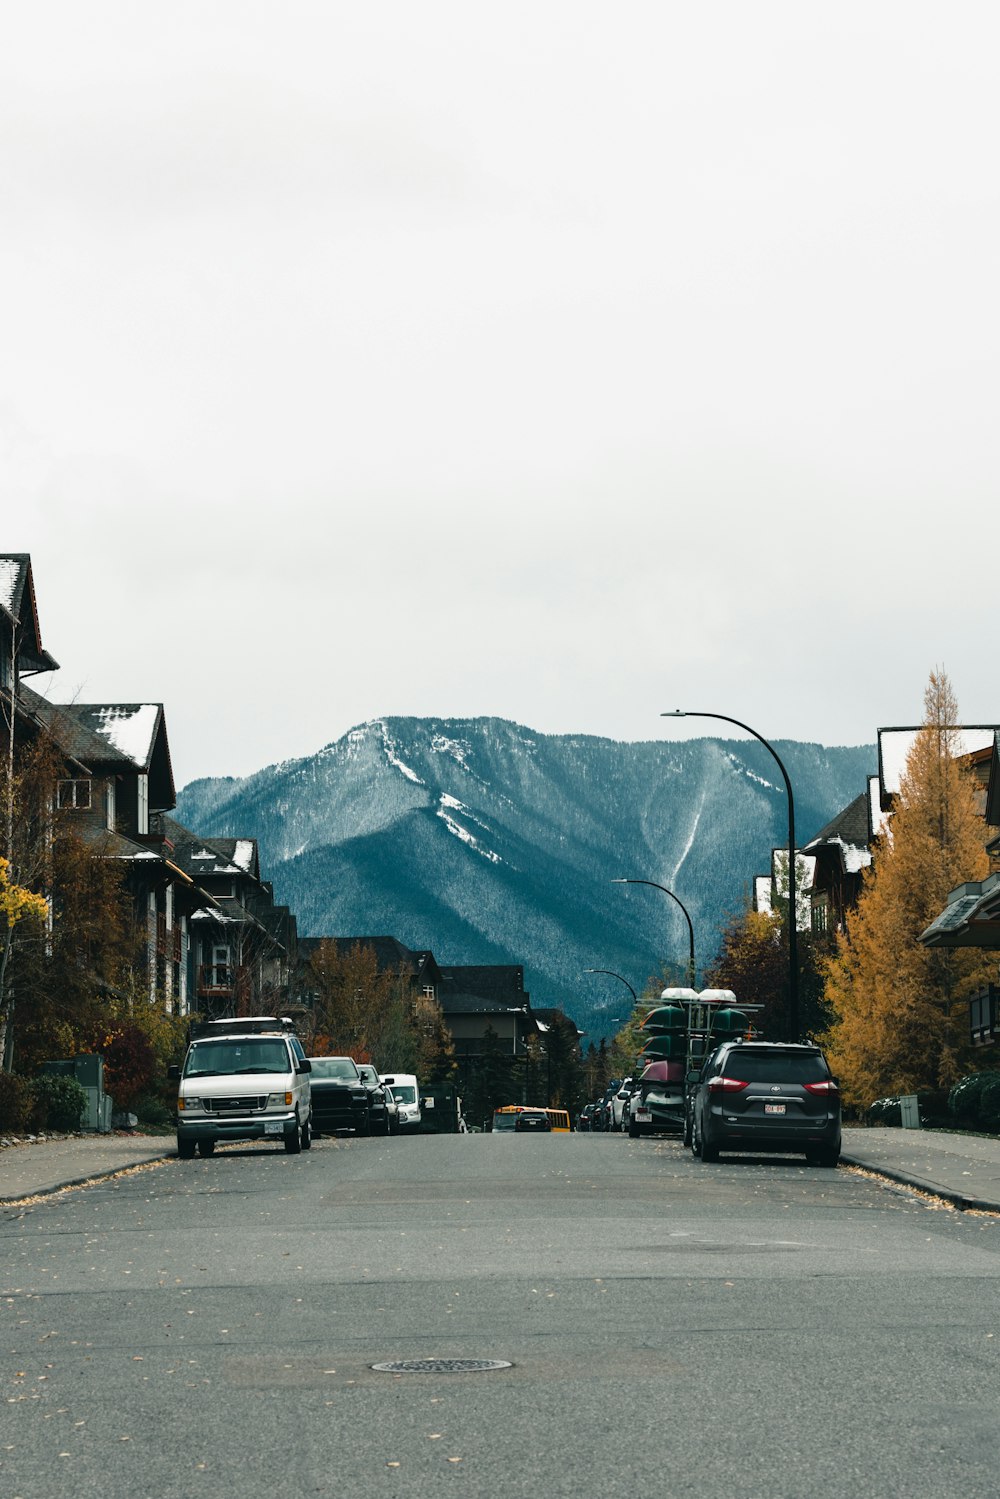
point(793, 941)
point(687, 918)
point(635, 997)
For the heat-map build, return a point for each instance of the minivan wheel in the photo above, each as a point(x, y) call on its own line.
point(687, 1129)
point(709, 1150)
point(828, 1157)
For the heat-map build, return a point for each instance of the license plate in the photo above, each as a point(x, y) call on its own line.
point(273, 1127)
point(643, 1116)
point(774, 1108)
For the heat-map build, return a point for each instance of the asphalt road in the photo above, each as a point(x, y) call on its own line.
point(749, 1328)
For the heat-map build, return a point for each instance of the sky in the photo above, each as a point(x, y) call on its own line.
point(566, 362)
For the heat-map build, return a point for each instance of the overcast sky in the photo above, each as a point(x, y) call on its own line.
point(566, 362)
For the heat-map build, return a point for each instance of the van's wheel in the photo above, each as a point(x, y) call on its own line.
point(307, 1138)
point(185, 1148)
point(206, 1147)
point(293, 1141)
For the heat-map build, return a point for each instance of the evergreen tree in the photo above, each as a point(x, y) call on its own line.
point(488, 1082)
point(898, 1018)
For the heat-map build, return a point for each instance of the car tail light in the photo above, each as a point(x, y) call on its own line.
point(726, 1085)
point(826, 1086)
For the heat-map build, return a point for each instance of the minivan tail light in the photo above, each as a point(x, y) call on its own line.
point(826, 1086)
point(726, 1085)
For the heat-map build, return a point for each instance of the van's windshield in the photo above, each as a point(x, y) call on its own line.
point(215, 1058)
point(404, 1093)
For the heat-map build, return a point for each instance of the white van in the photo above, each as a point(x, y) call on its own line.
point(406, 1092)
point(243, 1080)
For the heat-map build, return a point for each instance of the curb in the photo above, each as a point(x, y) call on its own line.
point(81, 1181)
point(919, 1184)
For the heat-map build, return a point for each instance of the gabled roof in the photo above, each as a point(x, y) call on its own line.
point(112, 736)
point(17, 604)
point(848, 836)
point(200, 857)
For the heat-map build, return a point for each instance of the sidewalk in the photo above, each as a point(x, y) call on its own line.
point(35, 1168)
point(963, 1169)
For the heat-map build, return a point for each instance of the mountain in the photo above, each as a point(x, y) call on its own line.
point(488, 843)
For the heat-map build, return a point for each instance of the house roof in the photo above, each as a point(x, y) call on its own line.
point(894, 746)
point(502, 982)
point(17, 604)
point(115, 736)
point(199, 857)
point(391, 955)
point(847, 835)
point(970, 919)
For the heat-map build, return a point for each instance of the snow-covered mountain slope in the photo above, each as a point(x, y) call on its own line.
point(487, 842)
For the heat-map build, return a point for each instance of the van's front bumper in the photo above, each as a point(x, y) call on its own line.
point(246, 1127)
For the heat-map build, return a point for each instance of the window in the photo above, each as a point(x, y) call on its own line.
point(73, 796)
point(143, 806)
point(109, 806)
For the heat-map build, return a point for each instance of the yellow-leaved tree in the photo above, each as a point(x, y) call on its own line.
point(899, 1021)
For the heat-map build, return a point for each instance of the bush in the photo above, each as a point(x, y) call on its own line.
point(16, 1102)
point(149, 1108)
point(59, 1102)
point(885, 1111)
point(975, 1101)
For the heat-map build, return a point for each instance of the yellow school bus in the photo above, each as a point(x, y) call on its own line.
point(506, 1119)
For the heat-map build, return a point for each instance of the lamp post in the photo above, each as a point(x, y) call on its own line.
point(793, 942)
point(635, 997)
point(687, 918)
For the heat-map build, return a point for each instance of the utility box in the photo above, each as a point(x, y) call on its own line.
point(909, 1110)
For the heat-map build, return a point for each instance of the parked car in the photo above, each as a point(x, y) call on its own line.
point(383, 1110)
point(603, 1110)
point(585, 1118)
point(658, 1105)
point(618, 1103)
point(532, 1121)
point(339, 1096)
point(406, 1091)
point(767, 1096)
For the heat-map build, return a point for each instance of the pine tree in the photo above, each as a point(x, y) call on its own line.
point(898, 1018)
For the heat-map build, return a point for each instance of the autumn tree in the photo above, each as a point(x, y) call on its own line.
point(753, 962)
point(363, 1011)
point(897, 1005)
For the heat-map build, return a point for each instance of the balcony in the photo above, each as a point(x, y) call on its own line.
point(221, 982)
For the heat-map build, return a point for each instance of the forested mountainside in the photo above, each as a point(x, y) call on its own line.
point(488, 843)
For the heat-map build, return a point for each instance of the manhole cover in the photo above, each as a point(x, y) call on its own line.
point(441, 1365)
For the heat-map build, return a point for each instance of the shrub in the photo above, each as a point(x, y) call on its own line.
point(886, 1111)
point(16, 1102)
point(129, 1064)
point(59, 1102)
point(149, 1108)
point(975, 1100)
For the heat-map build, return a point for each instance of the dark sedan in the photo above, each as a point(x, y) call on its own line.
point(339, 1097)
point(531, 1121)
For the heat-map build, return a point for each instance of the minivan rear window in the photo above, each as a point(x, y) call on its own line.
point(775, 1067)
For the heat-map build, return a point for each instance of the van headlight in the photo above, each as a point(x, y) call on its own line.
point(279, 1100)
point(186, 1105)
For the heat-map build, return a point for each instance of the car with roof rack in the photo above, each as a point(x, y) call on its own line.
point(243, 1079)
